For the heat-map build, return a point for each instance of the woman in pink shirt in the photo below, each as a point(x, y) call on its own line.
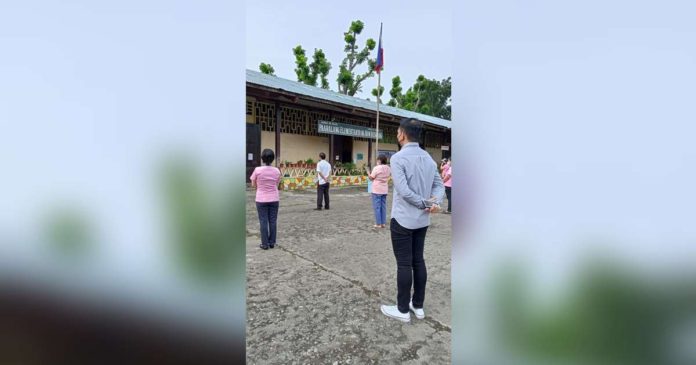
point(266, 179)
point(447, 179)
point(380, 178)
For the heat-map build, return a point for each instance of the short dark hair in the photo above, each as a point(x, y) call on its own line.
point(322, 155)
point(383, 159)
point(267, 156)
point(411, 128)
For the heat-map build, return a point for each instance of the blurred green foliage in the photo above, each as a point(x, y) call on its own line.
point(204, 220)
point(68, 231)
point(610, 316)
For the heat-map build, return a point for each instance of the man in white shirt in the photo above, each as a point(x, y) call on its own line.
point(323, 175)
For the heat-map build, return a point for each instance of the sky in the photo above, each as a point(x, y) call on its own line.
point(416, 39)
point(579, 120)
point(93, 96)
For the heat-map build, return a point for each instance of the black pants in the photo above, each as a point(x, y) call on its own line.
point(268, 217)
point(323, 191)
point(408, 247)
point(448, 191)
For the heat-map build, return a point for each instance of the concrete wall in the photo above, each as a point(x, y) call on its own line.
point(435, 153)
point(389, 147)
point(298, 147)
point(268, 140)
point(360, 147)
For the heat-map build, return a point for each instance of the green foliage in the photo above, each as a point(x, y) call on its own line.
point(350, 82)
point(611, 317)
point(69, 231)
point(321, 66)
point(310, 73)
point(381, 92)
point(267, 69)
point(395, 92)
point(426, 96)
point(302, 68)
point(348, 169)
point(199, 220)
point(309, 161)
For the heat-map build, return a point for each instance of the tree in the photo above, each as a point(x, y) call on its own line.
point(321, 66)
point(311, 73)
point(267, 69)
point(395, 93)
point(349, 82)
point(381, 92)
point(426, 96)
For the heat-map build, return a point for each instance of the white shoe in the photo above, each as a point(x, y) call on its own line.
point(393, 312)
point(420, 314)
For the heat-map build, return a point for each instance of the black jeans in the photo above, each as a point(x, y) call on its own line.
point(408, 247)
point(448, 191)
point(268, 217)
point(323, 191)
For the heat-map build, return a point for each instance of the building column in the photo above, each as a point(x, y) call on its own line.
point(371, 125)
point(330, 157)
point(277, 133)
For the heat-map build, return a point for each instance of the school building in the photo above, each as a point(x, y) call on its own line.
point(298, 121)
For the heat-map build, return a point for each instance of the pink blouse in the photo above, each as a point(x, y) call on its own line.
point(381, 174)
point(448, 172)
point(267, 179)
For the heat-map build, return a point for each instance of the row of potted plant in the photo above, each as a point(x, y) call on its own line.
point(307, 164)
point(342, 168)
point(349, 169)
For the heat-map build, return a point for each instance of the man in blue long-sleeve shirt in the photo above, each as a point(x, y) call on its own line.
point(418, 192)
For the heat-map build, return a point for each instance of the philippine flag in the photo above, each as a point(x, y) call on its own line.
point(380, 52)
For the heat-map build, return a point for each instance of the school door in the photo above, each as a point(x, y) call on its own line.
point(343, 148)
point(253, 148)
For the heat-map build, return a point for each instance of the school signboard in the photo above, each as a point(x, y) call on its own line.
point(342, 129)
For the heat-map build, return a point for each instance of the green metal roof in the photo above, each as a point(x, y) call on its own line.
point(274, 82)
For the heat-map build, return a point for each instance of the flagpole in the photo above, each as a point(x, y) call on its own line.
point(379, 79)
point(380, 61)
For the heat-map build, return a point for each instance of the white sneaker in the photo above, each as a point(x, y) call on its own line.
point(420, 314)
point(393, 312)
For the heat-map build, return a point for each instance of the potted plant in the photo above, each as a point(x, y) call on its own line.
point(310, 163)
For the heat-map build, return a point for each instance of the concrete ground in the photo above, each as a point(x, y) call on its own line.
point(314, 299)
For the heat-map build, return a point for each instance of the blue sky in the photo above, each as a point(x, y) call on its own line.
point(93, 96)
point(578, 119)
point(417, 39)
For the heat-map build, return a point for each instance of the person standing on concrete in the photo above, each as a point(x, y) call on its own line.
point(443, 165)
point(418, 192)
point(323, 175)
point(447, 180)
point(266, 179)
point(380, 188)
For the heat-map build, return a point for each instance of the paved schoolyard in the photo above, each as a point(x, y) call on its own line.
point(314, 299)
